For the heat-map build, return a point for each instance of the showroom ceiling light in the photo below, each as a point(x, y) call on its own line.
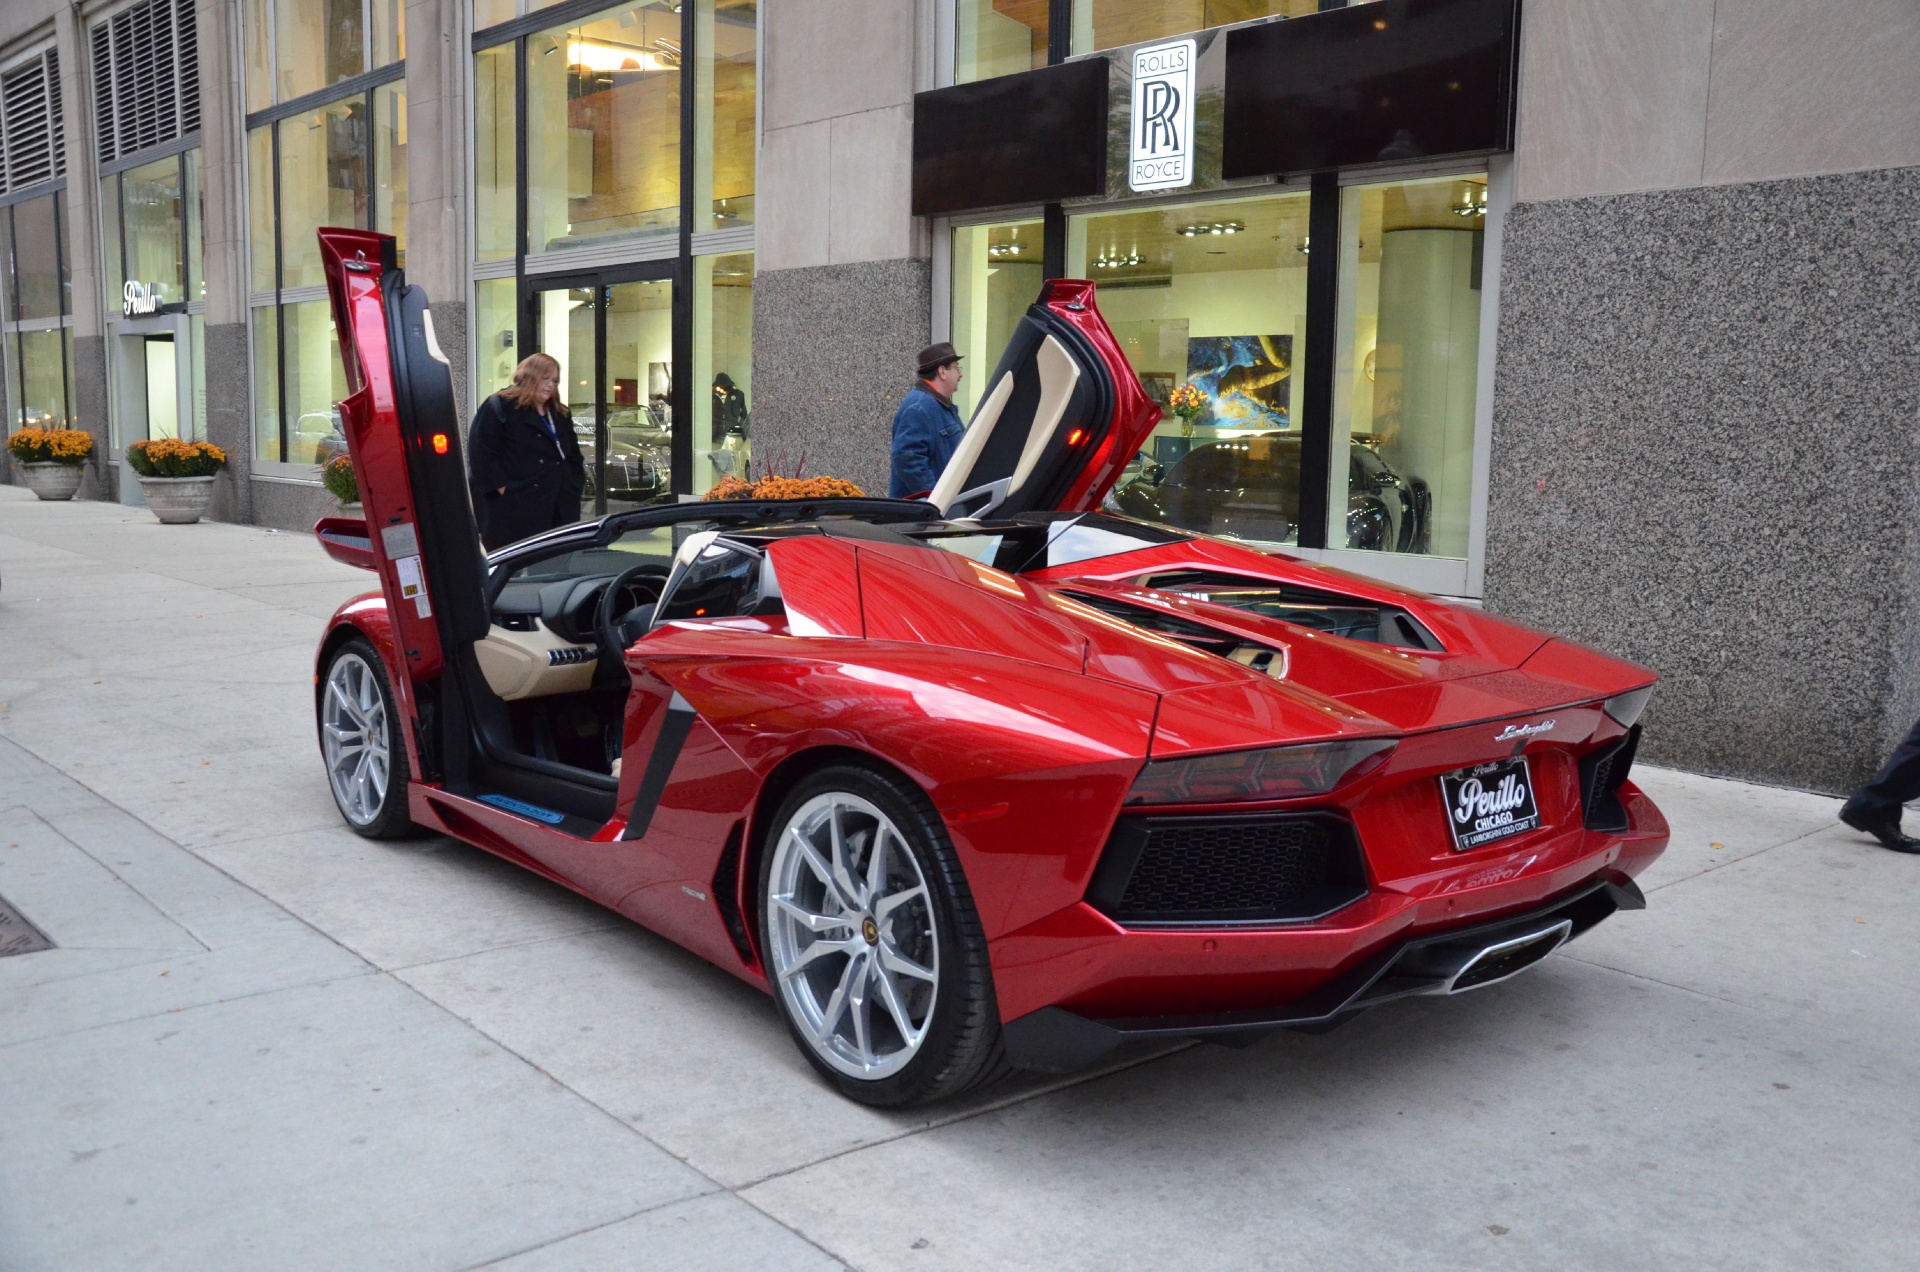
point(1473, 204)
point(1210, 227)
point(1000, 251)
point(1108, 260)
point(598, 55)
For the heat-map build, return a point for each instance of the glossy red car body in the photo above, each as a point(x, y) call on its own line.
point(1025, 710)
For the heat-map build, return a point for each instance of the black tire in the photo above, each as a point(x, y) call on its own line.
point(961, 1045)
point(355, 669)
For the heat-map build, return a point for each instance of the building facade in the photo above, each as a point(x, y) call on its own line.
point(1601, 311)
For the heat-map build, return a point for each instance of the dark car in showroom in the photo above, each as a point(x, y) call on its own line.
point(1249, 487)
point(637, 469)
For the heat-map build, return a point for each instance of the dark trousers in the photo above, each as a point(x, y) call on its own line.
point(1897, 782)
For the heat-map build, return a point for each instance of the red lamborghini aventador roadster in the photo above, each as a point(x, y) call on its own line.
point(991, 779)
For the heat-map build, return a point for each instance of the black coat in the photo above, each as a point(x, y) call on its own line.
point(509, 446)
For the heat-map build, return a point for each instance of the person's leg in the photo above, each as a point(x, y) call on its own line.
point(1875, 808)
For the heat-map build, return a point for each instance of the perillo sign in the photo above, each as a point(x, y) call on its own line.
point(1160, 149)
point(139, 298)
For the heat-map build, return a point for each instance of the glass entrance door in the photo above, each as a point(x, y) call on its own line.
point(163, 387)
point(638, 454)
point(614, 338)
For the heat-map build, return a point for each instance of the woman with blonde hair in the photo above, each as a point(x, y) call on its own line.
point(523, 460)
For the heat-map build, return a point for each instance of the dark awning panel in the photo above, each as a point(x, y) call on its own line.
point(1036, 137)
point(1374, 83)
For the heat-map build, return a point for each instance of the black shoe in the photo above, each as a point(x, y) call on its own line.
point(1887, 832)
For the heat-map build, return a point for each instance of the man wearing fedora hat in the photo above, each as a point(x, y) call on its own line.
point(926, 428)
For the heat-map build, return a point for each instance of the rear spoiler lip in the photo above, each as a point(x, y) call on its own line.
point(346, 540)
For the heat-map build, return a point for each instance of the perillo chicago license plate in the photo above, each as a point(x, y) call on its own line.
point(1489, 802)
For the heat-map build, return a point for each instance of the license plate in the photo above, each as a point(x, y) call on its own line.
point(1489, 802)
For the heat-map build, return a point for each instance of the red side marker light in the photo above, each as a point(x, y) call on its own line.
point(1077, 436)
point(439, 443)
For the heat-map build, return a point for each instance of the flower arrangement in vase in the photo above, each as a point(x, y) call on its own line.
point(50, 459)
point(1187, 401)
point(338, 477)
point(176, 477)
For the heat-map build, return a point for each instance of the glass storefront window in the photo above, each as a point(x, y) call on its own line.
point(257, 35)
point(488, 13)
point(43, 378)
point(151, 211)
point(111, 277)
point(260, 240)
point(323, 181)
point(724, 113)
point(494, 155)
point(388, 32)
point(1212, 295)
point(496, 336)
point(1407, 367)
point(41, 280)
point(603, 128)
point(996, 274)
point(266, 384)
point(1106, 24)
point(196, 202)
point(318, 42)
point(315, 381)
point(390, 164)
point(998, 37)
point(722, 368)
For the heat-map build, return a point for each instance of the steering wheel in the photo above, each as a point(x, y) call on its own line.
point(616, 634)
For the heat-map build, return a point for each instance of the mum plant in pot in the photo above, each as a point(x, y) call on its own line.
point(176, 477)
point(338, 477)
point(51, 459)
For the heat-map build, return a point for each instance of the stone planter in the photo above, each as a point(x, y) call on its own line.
point(353, 511)
point(177, 501)
point(52, 481)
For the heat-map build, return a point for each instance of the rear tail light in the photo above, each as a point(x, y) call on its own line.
point(1625, 708)
point(1280, 772)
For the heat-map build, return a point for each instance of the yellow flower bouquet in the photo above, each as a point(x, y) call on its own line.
point(170, 457)
point(68, 446)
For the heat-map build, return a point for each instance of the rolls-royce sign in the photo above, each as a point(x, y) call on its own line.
point(1160, 151)
point(139, 298)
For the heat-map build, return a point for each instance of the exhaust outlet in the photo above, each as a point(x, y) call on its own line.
point(1505, 959)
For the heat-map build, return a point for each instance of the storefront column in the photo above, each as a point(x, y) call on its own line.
point(81, 240)
point(842, 296)
point(437, 56)
point(229, 370)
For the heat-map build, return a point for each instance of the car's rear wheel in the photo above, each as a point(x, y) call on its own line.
point(366, 761)
point(872, 942)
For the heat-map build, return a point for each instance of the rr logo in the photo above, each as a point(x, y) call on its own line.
point(1161, 144)
point(1159, 119)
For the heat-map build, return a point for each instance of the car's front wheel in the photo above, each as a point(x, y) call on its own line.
point(360, 742)
point(872, 942)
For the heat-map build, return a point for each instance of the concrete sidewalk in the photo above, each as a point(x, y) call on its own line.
point(264, 1042)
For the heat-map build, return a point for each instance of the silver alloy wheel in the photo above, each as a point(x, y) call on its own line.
point(353, 733)
point(851, 933)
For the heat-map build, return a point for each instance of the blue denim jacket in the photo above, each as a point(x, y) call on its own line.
point(926, 432)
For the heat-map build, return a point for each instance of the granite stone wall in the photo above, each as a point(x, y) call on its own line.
point(1706, 458)
point(90, 413)
point(833, 354)
point(450, 329)
point(229, 381)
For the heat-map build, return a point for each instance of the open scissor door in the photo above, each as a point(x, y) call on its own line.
point(1058, 419)
point(403, 433)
